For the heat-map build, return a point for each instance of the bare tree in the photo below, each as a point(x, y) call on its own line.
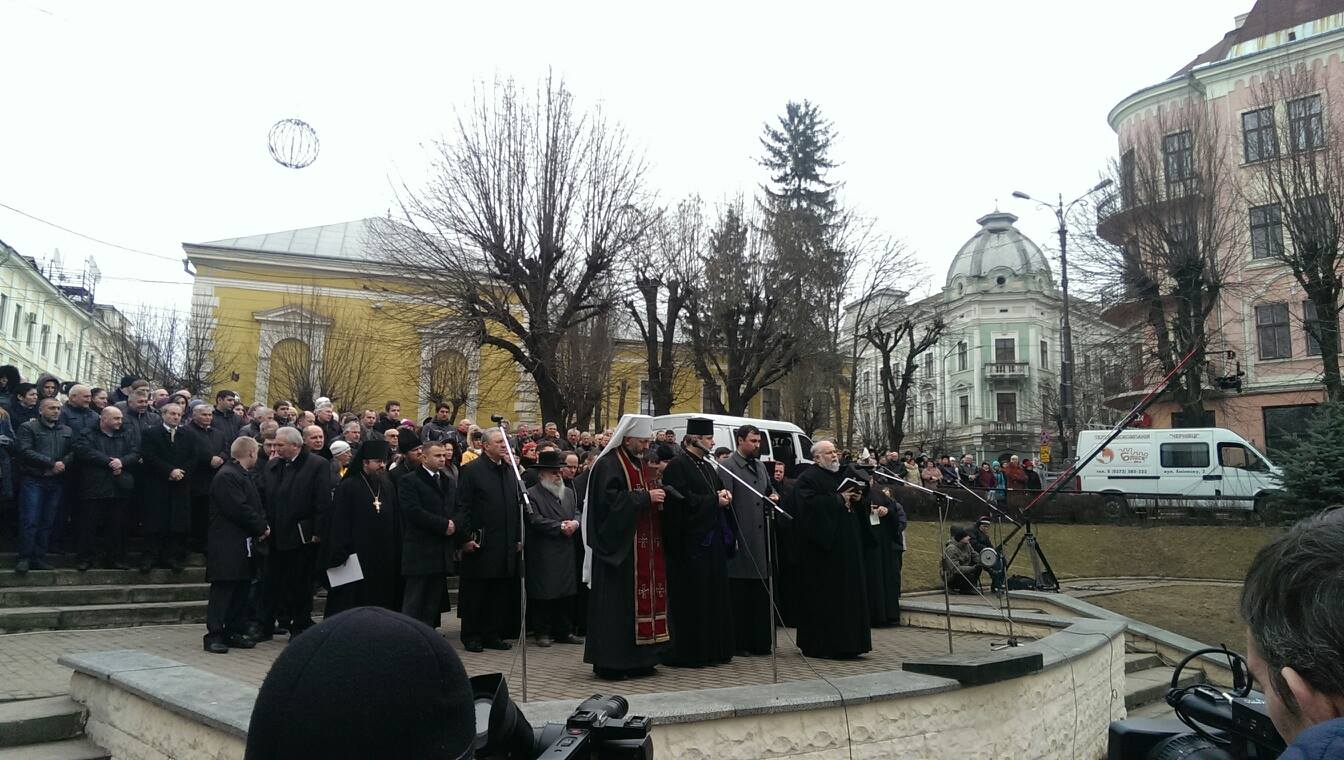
point(1296, 165)
point(328, 350)
point(899, 338)
point(583, 361)
point(530, 206)
point(1164, 244)
point(175, 350)
point(742, 338)
point(448, 379)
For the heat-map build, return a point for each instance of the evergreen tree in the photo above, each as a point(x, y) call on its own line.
point(1312, 463)
point(796, 153)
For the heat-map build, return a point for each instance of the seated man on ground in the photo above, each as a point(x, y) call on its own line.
point(960, 565)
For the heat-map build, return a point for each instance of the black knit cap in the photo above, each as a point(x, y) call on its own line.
point(407, 440)
point(365, 683)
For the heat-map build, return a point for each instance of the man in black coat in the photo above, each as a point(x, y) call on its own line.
point(212, 450)
point(297, 495)
point(224, 419)
point(552, 570)
point(170, 458)
point(487, 503)
point(237, 528)
point(108, 456)
point(428, 503)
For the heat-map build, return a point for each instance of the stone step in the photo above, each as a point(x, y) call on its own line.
point(69, 749)
point(1147, 686)
point(33, 721)
point(64, 618)
point(1134, 661)
point(72, 596)
point(7, 559)
point(96, 577)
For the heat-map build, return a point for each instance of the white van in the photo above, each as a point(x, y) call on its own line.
point(1217, 468)
point(780, 441)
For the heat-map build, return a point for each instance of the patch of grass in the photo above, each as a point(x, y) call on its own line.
point(1207, 614)
point(1084, 551)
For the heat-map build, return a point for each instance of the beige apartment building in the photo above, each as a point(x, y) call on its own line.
point(1258, 324)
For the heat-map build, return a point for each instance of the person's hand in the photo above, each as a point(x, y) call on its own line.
point(470, 546)
point(115, 466)
point(452, 528)
point(882, 511)
point(657, 496)
point(725, 498)
point(5, 440)
point(58, 468)
point(852, 495)
point(176, 475)
point(316, 540)
point(265, 534)
point(775, 497)
point(216, 461)
point(519, 547)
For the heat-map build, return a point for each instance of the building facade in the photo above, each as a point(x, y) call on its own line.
point(49, 322)
point(1258, 325)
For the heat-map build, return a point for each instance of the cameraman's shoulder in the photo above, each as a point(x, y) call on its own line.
point(1323, 741)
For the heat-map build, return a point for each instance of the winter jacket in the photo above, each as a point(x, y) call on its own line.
point(7, 447)
point(79, 420)
point(10, 374)
point(94, 450)
point(1323, 741)
point(42, 445)
point(19, 414)
point(437, 431)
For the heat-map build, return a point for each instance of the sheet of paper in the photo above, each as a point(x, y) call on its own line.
point(348, 572)
point(873, 519)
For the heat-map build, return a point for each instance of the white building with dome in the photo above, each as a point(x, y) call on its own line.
point(989, 388)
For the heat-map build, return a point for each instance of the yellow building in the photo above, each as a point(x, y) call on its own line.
point(297, 315)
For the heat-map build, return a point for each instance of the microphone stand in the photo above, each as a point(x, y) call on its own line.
point(772, 509)
point(942, 530)
point(524, 505)
point(1007, 597)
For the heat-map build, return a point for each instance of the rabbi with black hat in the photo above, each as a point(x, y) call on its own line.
point(552, 521)
point(363, 684)
point(364, 524)
point(429, 525)
point(408, 445)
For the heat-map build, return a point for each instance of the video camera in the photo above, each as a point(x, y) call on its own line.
point(598, 729)
point(1210, 724)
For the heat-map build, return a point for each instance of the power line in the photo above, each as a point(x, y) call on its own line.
point(90, 237)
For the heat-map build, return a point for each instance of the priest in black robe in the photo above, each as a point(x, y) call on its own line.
point(832, 529)
point(627, 607)
point(882, 557)
point(698, 535)
point(364, 522)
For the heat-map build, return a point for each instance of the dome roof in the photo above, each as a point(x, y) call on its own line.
point(998, 245)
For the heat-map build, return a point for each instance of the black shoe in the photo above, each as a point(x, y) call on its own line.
point(473, 645)
point(21, 567)
point(609, 674)
point(42, 564)
point(260, 636)
point(569, 639)
point(177, 567)
point(239, 641)
point(84, 566)
point(545, 641)
point(216, 647)
point(498, 643)
point(116, 564)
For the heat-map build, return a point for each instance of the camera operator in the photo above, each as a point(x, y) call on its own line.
point(1293, 605)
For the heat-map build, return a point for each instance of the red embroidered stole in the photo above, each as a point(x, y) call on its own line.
point(650, 570)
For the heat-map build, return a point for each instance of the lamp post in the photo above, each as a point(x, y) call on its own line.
point(1061, 212)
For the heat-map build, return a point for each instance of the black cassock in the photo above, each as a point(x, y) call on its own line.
point(697, 535)
point(357, 527)
point(882, 559)
point(833, 614)
point(613, 510)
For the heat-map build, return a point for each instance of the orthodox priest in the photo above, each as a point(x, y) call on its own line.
point(364, 522)
point(698, 538)
point(832, 525)
point(627, 608)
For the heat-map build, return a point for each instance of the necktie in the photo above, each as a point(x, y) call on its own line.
point(172, 435)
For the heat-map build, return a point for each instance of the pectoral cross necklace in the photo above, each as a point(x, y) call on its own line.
point(377, 503)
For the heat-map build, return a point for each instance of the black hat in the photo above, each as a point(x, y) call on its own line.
point(699, 426)
point(374, 449)
point(959, 533)
point(365, 683)
point(407, 440)
point(550, 459)
point(661, 452)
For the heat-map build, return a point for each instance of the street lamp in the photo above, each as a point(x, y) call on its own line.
point(1061, 212)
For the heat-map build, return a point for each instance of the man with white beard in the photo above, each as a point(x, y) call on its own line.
point(552, 567)
point(832, 526)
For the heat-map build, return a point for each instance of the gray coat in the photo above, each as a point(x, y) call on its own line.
point(551, 559)
point(748, 515)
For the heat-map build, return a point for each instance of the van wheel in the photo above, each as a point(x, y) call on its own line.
point(1115, 506)
point(1266, 510)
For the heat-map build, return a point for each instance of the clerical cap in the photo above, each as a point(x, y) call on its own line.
point(699, 426)
point(634, 426)
point(407, 441)
point(374, 449)
point(368, 682)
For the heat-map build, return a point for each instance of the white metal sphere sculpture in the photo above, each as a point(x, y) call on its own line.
point(293, 143)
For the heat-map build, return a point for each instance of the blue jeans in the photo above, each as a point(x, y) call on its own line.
point(39, 499)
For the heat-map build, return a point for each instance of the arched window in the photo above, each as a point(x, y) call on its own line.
point(448, 381)
point(291, 372)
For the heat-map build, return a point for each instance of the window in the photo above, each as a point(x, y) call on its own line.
point(1045, 353)
point(928, 414)
point(770, 406)
point(1284, 423)
point(1266, 231)
point(1240, 457)
point(1045, 406)
point(60, 344)
point(1315, 226)
point(18, 319)
point(964, 409)
point(4, 309)
point(1257, 135)
point(1185, 455)
point(645, 397)
point(46, 335)
point(961, 356)
point(1178, 156)
point(1127, 179)
point(1005, 405)
point(911, 419)
point(928, 365)
point(1272, 332)
point(1306, 129)
point(709, 397)
point(867, 383)
point(28, 333)
point(1313, 326)
point(781, 445)
point(1005, 350)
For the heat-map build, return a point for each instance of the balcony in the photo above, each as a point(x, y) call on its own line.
point(1007, 370)
point(1011, 428)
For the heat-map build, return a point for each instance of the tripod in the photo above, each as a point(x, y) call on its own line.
point(1041, 571)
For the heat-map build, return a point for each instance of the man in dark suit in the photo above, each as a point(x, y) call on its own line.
point(237, 525)
point(427, 500)
point(297, 496)
point(212, 450)
point(170, 458)
point(487, 504)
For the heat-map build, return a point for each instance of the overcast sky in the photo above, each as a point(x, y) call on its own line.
point(144, 124)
